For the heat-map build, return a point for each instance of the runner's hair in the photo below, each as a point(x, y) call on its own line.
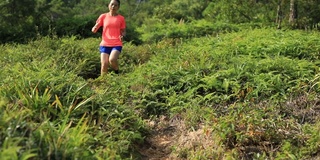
point(117, 1)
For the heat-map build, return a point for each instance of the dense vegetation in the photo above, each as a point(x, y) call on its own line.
point(252, 88)
point(218, 70)
point(22, 20)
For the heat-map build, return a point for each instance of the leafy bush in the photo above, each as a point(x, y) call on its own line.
point(154, 30)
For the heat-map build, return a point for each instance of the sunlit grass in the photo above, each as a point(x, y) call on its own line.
point(254, 92)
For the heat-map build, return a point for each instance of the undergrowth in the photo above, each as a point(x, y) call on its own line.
point(256, 90)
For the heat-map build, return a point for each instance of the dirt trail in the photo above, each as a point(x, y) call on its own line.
point(157, 145)
point(168, 137)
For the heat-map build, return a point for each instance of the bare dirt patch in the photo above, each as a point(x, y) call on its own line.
point(169, 137)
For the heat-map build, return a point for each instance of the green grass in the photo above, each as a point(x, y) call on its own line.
point(255, 90)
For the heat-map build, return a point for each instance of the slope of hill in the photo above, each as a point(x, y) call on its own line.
point(242, 95)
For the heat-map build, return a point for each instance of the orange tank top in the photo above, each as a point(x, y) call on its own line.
point(111, 29)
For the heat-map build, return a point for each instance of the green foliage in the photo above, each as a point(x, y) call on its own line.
point(242, 68)
point(154, 30)
point(310, 19)
point(254, 90)
point(27, 19)
point(49, 111)
point(235, 11)
point(180, 10)
point(75, 26)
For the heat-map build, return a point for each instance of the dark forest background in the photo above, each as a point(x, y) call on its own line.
point(152, 20)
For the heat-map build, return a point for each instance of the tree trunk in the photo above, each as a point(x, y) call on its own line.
point(279, 14)
point(293, 13)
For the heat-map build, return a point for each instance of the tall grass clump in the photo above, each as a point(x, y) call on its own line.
point(50, 111)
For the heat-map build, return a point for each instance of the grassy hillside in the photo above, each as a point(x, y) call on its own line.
point(239, 95)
